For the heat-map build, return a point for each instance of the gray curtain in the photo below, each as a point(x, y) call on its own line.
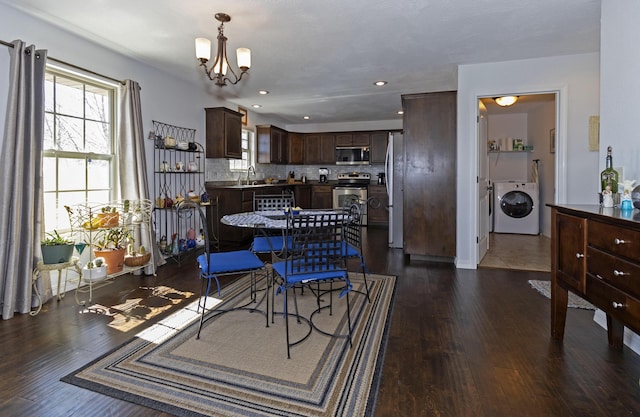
point(132, 160)
point(21, 179)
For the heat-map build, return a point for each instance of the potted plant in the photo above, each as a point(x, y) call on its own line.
point(95, 270)
point(111, 245)
point(109, 217)
point(56, 249)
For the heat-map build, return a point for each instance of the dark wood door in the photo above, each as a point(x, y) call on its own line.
point(430, 174)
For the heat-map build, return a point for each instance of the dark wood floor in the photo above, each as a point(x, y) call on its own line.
point(461, 343)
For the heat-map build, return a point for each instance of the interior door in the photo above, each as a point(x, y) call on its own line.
point(484, 215)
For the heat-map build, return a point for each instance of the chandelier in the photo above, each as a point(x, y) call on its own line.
point(218, 71)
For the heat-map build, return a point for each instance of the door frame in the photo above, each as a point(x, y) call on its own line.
point(560, 161)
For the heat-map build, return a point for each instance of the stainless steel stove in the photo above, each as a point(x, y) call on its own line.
point(352, 185)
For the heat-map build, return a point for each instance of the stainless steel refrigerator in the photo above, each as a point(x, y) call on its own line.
point(394, 174)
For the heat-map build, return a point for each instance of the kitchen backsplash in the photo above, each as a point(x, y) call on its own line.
point(218, 170)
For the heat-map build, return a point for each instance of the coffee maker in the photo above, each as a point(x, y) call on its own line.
point(324, 175)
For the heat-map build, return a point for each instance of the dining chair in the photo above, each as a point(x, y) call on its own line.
point(316, 256)
point(266, 241)
point(353, 238)
point(216, 264)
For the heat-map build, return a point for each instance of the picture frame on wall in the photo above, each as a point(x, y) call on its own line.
point(552, 140)
point(245, 115)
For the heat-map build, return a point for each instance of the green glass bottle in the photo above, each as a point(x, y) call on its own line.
point(609, 177)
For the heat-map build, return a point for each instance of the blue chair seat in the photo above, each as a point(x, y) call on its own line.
point(227, 262)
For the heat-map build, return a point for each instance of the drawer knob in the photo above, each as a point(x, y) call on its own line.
point(619, 273)
point(617, 305)
point(579, 255)
point(619, 241)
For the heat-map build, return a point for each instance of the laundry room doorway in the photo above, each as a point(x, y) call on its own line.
point(520, 155)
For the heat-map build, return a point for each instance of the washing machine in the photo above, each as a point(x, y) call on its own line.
point(516, 208)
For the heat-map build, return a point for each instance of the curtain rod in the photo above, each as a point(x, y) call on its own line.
point(10, 45)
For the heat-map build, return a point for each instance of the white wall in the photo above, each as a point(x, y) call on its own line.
point(576, 78)
point(541, 120)
point(620, 85)
point(164, 97)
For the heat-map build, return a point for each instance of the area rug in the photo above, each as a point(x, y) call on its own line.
point(575, 301)
point(239, 366)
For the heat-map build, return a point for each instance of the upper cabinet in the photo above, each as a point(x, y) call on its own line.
point(272, 145)
point(296, 148)
point(319, 148)
point(223, 133)
point(352, 139)
point(378, 150)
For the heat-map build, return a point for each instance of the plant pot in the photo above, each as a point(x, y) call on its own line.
point(114, 259)
point(94, 274)
point(56, 254)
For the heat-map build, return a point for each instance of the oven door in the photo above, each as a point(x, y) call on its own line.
point(343, 194)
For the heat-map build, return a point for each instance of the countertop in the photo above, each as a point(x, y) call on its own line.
point(613, 213)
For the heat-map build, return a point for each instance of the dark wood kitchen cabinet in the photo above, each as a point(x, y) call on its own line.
point(272, 145)
point(429, 217)
point(352, 139)
point(378, 150)
point(595, 253)
point(319, 148)
point(377, 210)
point(296, 148)
point(322, 197)
point(223, 133)
point(303, 195)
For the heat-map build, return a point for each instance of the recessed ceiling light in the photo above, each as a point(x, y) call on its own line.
point(380, 83)
point(256, 106)
point(263, 92)
point(400, 112)
point(306, 117)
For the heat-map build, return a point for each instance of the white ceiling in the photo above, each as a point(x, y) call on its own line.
point(320, 58)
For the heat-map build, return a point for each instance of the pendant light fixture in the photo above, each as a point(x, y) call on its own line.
point(218, 71)
point(506, 101)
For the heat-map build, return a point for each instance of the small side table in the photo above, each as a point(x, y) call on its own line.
point(72, 264)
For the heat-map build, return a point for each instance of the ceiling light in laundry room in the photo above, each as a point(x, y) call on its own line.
point(506, 101)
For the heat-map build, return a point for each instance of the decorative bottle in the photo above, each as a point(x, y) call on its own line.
point(609, 177)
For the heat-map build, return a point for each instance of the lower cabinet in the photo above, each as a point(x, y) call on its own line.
point(322, 197)
point(377, 210)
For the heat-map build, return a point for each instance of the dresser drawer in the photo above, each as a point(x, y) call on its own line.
point(614, 239)
point(614, 302)
point(619, 273)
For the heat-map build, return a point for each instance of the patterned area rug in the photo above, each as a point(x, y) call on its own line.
point(544, 288)
point(239, 367)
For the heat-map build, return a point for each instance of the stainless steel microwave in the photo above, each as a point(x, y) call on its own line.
point(352, 155)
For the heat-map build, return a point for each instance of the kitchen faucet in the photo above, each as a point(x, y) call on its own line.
point(250, 170)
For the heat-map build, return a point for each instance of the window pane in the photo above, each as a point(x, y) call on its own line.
point(99, 177)
point(48, 92)
point(99, 196)
point(72, 174)
point(48, 131)
point(68, 97)
point(97, 103)
point(98, 137)
point(69, 134)
point(68, 199)
point(49, 174)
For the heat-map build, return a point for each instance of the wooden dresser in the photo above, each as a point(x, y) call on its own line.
point(595, 253)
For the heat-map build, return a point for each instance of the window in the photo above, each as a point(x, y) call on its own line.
point(247, 153)
point(78, 152)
